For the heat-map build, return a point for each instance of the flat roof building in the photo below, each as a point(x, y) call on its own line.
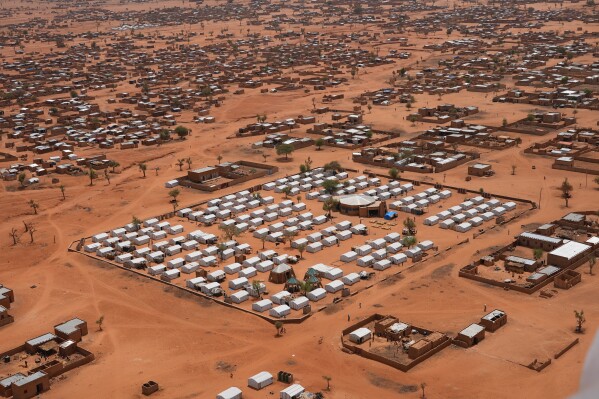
point(567, 254)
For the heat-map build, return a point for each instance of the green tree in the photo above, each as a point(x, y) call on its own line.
point(330, 205)
point(143, 168)
point(181, 131)
point(92, 175)
point(393, 173)
point(537, 253)
point(330, 186)
point(409, 241)
point(114, 165)
point(566, 189)
point(409, 224)
point(301, 248)
point(257, 288)
point(136, 222)
point(332, 166)
point(174, 193)
point(229, 231)
point(285, 149)
point(319, 143)
point(22, 177)
point(286, 191)
point(580, 320)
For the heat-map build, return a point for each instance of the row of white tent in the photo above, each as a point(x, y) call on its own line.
point(420, 200)
point(259, 381)
point(381, 253)
point(463, 217)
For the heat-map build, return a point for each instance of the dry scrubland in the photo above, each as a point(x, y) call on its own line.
point(194, 347)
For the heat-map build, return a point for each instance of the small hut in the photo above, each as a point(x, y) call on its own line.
point(281, 274)
point(292, 285)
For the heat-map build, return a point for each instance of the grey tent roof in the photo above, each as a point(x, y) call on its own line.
point(356, 200)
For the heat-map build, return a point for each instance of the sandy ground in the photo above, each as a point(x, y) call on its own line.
point(194, 348)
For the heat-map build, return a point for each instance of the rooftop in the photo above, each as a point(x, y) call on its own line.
point(472, 330)
point(570, 250)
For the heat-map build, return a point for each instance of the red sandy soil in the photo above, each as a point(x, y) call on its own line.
point(180, 340)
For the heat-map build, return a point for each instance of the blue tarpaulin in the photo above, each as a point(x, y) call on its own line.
point(390, 215)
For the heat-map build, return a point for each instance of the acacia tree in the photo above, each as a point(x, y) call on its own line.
point(330, 186)
point(285, 149)
point(14, 234)
point(143, 167)
point(30, 227)
point(92, 175)
point(320, 142)
point(580, 320)
point(180, 163)
point(229, 231)
point(278, 326)
point(301, 248)
point(181, 131)
point(34, 205)
point(114, 165)
point(328, 380)
point(189, 161)
point(135, 221)
point(329, 205)
point(22, 177)
point(566, 188)
point(99, 322)
point(174, 193)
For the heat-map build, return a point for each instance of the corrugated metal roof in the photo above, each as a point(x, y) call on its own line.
point(41, 339)
point(570, 249)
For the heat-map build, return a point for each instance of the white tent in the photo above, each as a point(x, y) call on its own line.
point(360, 335)
point(260, 380)
point(351, 279)
point(317, 294)
point(334, 286)
point(194, 283)
point(230, 393)
point(190, 267)
point(366, 261)
point(280, 311)
point(299, 303)
point(292, 392)
point(382, 264)
point(237, 283)
point(398, 259)
point(349, 256)
point(232, 268)
point(240, 296)
point(262, 305)
point(280, 297)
